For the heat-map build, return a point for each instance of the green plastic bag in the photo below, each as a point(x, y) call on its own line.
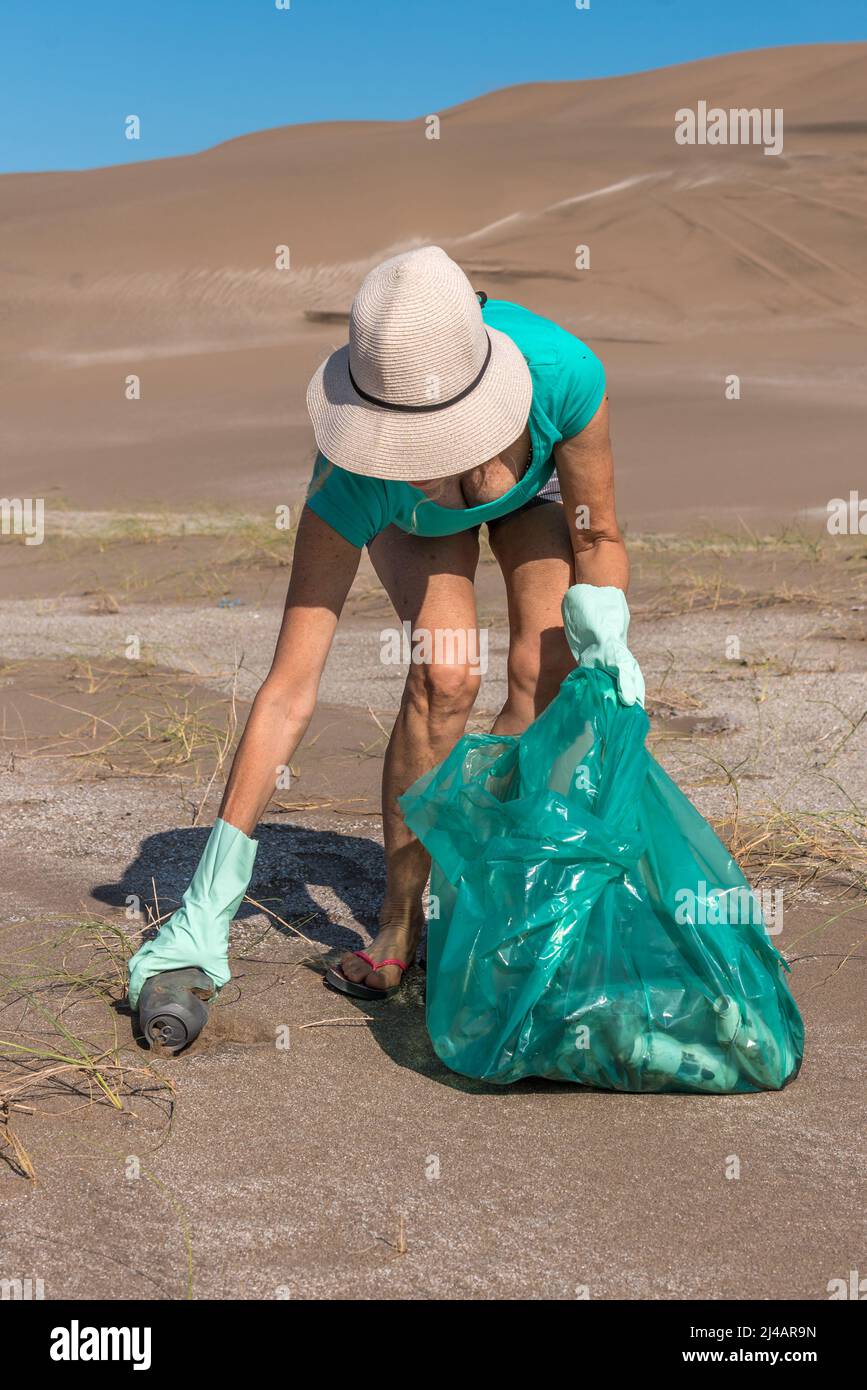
point(588, 925)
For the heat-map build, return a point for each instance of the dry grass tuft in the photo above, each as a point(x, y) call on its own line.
point(805, 847)
point(145, 722)
point(61, 1040)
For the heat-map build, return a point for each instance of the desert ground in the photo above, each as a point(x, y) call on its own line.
point(305, 1147)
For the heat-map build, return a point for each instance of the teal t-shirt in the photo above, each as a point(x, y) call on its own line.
point(568, 387)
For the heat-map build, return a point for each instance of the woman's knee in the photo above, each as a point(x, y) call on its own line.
point(443, 691)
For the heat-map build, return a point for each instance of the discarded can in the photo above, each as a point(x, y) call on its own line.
point(172, 1010)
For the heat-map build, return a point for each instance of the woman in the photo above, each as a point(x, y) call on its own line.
point(441, 413)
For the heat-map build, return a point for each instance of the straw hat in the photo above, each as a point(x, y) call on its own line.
point(424, 388)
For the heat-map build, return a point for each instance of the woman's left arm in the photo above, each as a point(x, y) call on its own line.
point(585, 468)
point(595, 613)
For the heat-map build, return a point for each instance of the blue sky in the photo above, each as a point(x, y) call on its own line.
point(200, 71)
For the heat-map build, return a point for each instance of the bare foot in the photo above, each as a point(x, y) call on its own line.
point(397, 939)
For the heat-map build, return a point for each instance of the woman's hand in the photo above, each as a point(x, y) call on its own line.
point(198, 933)
point(596, 619)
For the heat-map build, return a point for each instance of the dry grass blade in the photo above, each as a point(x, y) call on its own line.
point(345, 1020)
point(329, 804)
point(227, 741)
point(56, 1054)
point(288, 925)
point(13, 1151)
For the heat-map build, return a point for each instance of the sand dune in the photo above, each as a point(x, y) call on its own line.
point(702, 259)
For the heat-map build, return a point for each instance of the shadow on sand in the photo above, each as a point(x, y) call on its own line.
point(347, 873)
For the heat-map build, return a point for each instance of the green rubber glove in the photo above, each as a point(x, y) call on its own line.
point(596, 618)
point(198, 933)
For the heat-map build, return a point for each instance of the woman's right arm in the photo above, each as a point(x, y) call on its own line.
point(323, 568)
point(197, 934)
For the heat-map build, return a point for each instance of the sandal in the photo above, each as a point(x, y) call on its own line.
point(337, 980)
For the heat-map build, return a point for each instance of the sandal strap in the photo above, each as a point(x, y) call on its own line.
point(377, 965)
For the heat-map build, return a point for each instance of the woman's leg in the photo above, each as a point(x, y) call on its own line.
point(430, 583)
point(534, 552)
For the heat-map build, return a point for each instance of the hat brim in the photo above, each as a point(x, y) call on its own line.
point(415, 446)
